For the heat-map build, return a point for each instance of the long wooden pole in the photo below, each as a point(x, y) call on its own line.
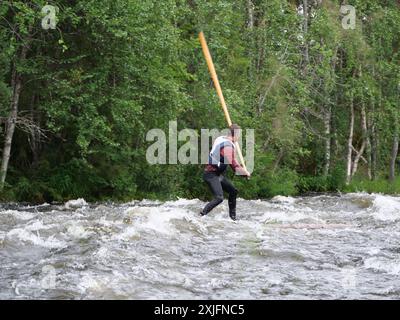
point(214, 77)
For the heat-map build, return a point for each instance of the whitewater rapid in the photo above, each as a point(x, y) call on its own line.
point(317, 247)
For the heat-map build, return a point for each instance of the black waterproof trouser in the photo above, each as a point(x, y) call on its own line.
point(218, 184)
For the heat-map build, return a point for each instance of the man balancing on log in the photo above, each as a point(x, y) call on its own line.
point(223, 154)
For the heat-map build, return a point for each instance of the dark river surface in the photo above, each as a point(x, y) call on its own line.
point(318, 247)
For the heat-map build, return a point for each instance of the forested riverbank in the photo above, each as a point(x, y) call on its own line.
point(77, 101)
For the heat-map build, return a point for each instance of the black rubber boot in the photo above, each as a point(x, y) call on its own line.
point(232, 205)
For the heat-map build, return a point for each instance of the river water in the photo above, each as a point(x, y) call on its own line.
point(319, 247)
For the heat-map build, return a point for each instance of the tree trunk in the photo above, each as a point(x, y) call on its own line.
point(374, 151)
point(350, 143)
point(364, 143)
point(369, 148)
point(260, 44)
point(250, 13)
point(34, 137)
point(374, 136)
point(395, 151)
point(305, 29)
point(327, 125)
point(16, 85)
point(278, 160)
point(374, 144)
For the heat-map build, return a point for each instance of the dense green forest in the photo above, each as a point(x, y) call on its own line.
point(77, 101)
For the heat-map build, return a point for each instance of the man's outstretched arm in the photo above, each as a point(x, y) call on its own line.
point(229, 154)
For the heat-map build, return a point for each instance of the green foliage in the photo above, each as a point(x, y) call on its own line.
point(332, 183)
point(284, 183)
point(377, 186)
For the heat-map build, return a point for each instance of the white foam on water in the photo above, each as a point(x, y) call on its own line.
point(160, 220)
point(373, 251)
point(43, 205)
point(38, 225)
point(161, 276)
point(130, 203)
point(78, 231)
point(138, 211)
point(383, 264)
point(101, 207)
point(199, 224)
point(75, 204)
point(108, 223)
point(283, 208)
point(20, 215)
point(130, 233)
point(358, 195)
point(26, 236)
point(386, 208)
point(189, 283)
point(389, 291)
point(181, 202)
point(130, 210)
point(102, 253)
point(147, 202)
point(35, 206)
point(88, 282)
point(154, 218)
point(106, 287)
point(288, 216)
point(284, 199)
